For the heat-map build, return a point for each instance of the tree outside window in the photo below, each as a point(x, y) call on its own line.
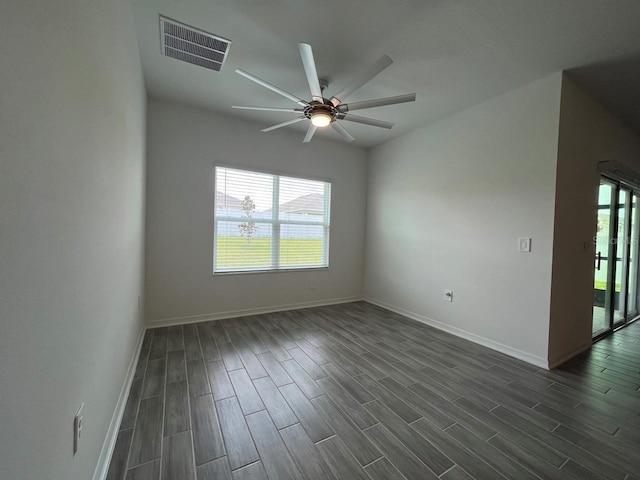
point(248, 228)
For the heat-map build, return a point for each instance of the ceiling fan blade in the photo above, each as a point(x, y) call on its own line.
point(271, 87)
point(366, 121)
point(363, 77)
point(269, 109)
point(310, 70)
point(340, 129)
point(379, 102)
point(284, 124)
point(310, 132)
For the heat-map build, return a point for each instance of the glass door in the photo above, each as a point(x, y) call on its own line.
point(615, 299)
point(602, 303)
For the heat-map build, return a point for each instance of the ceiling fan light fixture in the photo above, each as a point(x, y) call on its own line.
point(322, 112)
point(321, 119)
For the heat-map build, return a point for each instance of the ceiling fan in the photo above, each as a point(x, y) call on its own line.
point(322, 112)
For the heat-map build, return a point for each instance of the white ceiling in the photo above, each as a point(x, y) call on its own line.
point(452, 53)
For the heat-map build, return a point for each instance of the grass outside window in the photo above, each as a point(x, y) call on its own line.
point(257, 252)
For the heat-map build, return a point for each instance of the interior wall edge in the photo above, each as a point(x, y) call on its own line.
point(458, 332)
point(561, 358)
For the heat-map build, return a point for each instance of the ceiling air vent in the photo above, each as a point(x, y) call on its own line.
point(191, 45)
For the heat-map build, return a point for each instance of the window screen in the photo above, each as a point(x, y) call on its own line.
point(269, 222)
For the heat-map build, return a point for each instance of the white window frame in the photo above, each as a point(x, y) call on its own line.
point(275, 223)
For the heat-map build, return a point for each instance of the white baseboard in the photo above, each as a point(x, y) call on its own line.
point(559, 360)
point(486, 342)
point(109, 444)
point(167, 322)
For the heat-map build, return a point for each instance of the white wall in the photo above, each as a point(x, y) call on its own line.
point(183, 145)
point(72, 116)
point(588, 134)
point(446, 205)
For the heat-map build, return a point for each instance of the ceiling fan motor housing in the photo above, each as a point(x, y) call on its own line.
point(316, 108)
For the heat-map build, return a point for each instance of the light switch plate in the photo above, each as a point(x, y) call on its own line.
point(524, 244)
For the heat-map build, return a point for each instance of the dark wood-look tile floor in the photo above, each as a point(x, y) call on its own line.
point(357, 392)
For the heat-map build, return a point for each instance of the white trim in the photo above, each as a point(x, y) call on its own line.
point(275, 227)
point(271, 270)
point(167, 322)
point(102, 467)
point(486, 342)
point(560, 359)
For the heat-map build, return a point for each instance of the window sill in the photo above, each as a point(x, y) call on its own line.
point(275, 270)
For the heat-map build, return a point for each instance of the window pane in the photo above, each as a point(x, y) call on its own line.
point(301, 200)
point(235, 251)
point(302, 246)
point(234, 186)
point(269, 222)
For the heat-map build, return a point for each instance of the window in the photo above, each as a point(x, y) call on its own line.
point(269, 222)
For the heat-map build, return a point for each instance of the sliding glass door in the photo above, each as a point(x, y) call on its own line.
point(615, 299)
point(602, 301)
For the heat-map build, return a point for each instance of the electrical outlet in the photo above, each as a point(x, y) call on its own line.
point(139, 302)
point(77, 429)
point(312, 284)
point(448, 295)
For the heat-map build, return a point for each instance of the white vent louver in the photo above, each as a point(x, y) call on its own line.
point(192, 45)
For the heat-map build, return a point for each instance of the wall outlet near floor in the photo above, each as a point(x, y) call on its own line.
point(77, 428)
point(312, 284)
point(448, 295)
point(139, 302)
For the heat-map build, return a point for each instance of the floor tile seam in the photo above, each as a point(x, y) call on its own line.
point(407, 451)
point(188, 400)
point(213, 401)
